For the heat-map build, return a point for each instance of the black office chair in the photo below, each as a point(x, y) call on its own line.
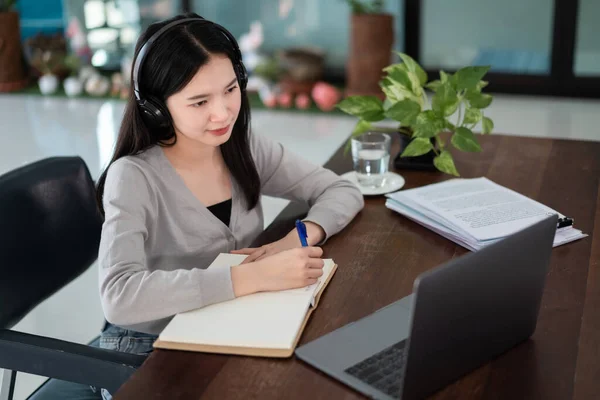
point(49, 234)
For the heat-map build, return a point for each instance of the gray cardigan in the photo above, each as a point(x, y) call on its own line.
point(158, 239)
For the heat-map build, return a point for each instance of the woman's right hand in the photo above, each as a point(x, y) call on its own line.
point(288, 269)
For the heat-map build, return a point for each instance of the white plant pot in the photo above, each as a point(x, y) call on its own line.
point(97, 85)
point(48, 84)
point(86, 72)
point(73, 86)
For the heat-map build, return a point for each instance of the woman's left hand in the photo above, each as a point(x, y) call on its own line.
point(315, 235)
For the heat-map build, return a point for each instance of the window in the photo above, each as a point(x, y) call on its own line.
point(587, 46)
point(513, 36)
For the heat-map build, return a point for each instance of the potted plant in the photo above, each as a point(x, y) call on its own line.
point(422, 123)
point(371, 40)
point(48, 82)
point(12, 72)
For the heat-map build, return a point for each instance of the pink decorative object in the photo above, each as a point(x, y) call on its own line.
point(302, 101)
point(270, 101)
point(78, 40)
point(325, 95)
point(285, 100)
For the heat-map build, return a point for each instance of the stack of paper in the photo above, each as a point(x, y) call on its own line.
point(475, 212)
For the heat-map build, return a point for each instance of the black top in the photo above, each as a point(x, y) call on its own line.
point(222, 211)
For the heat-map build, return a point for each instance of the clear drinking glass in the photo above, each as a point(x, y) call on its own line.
point(371, 157)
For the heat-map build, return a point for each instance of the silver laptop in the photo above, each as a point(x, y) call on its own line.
point(460, 315)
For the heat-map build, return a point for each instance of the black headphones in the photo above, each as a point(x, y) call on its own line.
point(154, 113)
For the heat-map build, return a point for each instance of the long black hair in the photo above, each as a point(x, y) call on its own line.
point(175, 57)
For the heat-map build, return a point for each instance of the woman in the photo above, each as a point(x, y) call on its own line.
point(184, 185)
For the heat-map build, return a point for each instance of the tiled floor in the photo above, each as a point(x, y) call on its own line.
point(32, 128)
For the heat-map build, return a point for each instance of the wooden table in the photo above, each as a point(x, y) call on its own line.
point(380, 254)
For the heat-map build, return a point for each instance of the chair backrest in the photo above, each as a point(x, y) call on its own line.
point(49, 232)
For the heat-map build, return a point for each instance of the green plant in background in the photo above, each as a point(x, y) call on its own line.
point(366, 6)
point(269, 69)
point(6, 5)
point(72, 63)
point(406, 101)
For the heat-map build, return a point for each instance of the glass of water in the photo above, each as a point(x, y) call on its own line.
point(371, 157)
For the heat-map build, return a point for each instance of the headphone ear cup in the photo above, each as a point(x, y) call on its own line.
point(242, 75)
point(154, 114)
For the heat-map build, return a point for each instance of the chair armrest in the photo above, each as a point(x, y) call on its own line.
point(67, 361)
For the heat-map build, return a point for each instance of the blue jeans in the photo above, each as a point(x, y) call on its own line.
point(112, 338)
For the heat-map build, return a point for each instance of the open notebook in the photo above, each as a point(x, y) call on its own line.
point(267, 324)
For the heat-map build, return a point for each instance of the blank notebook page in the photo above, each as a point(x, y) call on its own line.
point(260, 320)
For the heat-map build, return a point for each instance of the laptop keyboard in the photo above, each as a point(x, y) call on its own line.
point(384, 370)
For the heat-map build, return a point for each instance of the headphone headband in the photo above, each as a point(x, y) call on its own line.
point(144, 50)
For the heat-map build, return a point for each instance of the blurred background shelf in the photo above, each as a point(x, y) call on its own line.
point(253, 98)
point(547, 47)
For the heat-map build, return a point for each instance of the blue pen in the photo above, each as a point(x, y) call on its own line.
point(301, 229)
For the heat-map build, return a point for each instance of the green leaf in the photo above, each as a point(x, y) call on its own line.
point(405, 111)
point(417, 89)
point(412, 66)
point(399, 73)
point(451, 78)
point(445, 101)
point(481, 85)
point(385, 82)
point(478, 100)
point(464, 140)
point(361, 126)
point(369, 108)
point(395, 66)
point(417, 147)
point(428, 124)
point(443, 76)
point(449, 125)
point(445, 163)
point(448, 78)
point(404, 80)
point(396, 92)
point(487, 125)
point(387, 104)
point(469, 77)
point(434, 85)
point(472, 116)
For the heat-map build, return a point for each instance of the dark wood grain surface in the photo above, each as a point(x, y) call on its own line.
point(380, 254)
